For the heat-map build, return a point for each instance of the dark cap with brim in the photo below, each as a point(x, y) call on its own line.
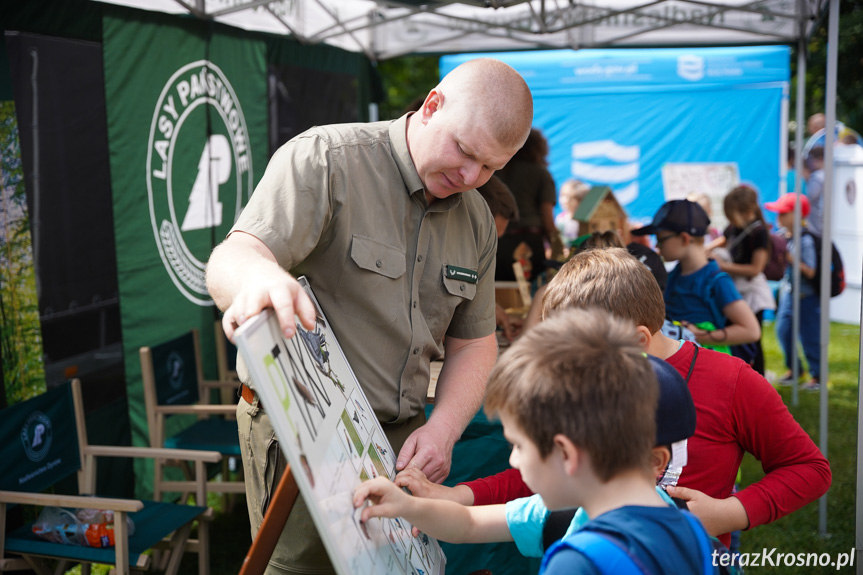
point(675, 412)
point(677, 216)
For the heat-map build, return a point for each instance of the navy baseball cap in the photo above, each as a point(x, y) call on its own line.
point(677, 216)
point(675, 412)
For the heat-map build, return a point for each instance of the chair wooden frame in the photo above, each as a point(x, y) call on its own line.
point(157, 414)
point(225, 373)
point(177, 544)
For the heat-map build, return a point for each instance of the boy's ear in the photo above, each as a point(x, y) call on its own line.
point(687, 239)
point(659, 458)
point(570, 454)
point(644, 336)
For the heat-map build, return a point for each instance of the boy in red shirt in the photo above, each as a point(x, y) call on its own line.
point(737, 410)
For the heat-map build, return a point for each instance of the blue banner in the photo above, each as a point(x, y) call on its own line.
point(617, 117)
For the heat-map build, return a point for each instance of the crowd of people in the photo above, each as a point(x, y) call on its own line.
point(633, 436)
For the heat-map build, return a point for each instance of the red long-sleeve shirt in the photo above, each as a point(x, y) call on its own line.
point(737, 411)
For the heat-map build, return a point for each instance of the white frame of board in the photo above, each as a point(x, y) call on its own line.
point(332, 440)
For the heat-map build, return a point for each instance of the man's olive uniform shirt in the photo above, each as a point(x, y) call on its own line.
point(344, 206)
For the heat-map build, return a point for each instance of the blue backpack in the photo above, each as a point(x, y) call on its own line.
point(610, 558)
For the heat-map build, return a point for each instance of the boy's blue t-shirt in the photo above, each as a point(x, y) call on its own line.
point(684, 295)
point(526, 519)
point(659, 538)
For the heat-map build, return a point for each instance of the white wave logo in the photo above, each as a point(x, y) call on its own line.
point(690, 67)
point(590, 164)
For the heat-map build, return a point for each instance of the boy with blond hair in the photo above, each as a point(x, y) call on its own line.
point(577, 398)
point(738, 410)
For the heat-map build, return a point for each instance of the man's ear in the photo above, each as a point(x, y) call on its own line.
point(432, 104)
point(570, 454)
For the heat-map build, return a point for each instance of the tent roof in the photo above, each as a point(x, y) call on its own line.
point(389, 28)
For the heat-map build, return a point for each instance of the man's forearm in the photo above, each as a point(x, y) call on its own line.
point(231, 263)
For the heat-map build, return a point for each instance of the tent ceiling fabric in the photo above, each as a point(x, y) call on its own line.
point(387, 29)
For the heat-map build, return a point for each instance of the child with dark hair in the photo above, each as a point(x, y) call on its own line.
point(744, 253)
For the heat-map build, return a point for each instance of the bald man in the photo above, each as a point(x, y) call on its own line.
point(815, 123)
point(385, 221)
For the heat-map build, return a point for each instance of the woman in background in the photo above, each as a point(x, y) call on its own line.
point(529, 180)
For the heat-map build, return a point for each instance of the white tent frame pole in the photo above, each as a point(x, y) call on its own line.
point(798, 188)
point(797, 233)
point(826, 252)
point(858, 539)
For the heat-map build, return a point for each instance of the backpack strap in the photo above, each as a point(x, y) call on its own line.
point(719, 319)
point(703, 542)
point(742, 235)
point(692, 364)
point(605, 554)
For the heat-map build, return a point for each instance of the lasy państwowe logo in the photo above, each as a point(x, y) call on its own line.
point(199, 170)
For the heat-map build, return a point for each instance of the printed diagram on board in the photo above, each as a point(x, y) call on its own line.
point(327, 428)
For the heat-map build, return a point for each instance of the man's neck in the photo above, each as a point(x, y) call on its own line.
point(632, 487)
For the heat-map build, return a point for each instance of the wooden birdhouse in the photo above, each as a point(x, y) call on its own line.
point(600, 211)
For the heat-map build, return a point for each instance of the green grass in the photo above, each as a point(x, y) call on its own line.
point(798, 532)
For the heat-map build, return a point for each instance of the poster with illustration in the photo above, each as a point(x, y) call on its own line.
point(333, 442)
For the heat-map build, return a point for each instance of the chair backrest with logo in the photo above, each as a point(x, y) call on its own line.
point(176, 371)
point(42, 442)
point(174, 391)
point(39, 442)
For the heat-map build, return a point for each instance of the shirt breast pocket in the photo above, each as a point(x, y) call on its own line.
point(455, 291)
point(375, 279)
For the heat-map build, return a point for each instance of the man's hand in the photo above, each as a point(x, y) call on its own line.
point(718, 516)
point(429, 450)
point(279, 291)
point(386, 499)
point(244, 279)
point(420, 486)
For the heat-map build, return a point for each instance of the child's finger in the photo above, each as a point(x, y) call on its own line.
point(360, 495)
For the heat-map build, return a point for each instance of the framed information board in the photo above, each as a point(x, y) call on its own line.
point(333, 441)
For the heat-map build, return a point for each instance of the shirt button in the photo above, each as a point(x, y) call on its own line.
point(379, 263)
point(404, 393)
point(419, 258)
point(415, 305)
point(461, 287)
point(416, 350)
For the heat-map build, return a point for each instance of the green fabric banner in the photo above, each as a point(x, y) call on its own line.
point(187, 131)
